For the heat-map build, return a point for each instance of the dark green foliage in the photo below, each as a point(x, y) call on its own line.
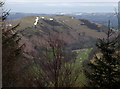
point(11, 51)
point(104, 71)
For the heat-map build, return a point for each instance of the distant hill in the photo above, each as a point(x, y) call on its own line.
point(101, 18)
point(77, 33)
point(14, 15)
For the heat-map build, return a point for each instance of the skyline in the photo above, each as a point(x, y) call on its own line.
point(65, 7)
point(61, 0)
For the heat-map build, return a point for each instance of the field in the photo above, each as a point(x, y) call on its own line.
point(81, 56)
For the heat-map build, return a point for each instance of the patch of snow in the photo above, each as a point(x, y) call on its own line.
point(83, 24)
point(35, 23)
point(9, 25)
point(36, 20)
point(42, 17)
point(51, 19)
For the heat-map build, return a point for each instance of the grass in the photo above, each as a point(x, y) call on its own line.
point(82, 55)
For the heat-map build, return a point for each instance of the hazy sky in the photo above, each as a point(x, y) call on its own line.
point(62, 0)
point(66, 6)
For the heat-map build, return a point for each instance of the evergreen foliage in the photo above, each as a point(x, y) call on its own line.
point(105, 67)
point(11, 50)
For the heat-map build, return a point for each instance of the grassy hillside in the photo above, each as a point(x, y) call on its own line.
point(77, 33)
point(78, 25)
point(82, 55)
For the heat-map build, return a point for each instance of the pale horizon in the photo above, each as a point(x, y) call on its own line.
point(61, 0)
point(66, 6)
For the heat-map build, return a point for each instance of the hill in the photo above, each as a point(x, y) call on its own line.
point(101, 18)
point(77, 33)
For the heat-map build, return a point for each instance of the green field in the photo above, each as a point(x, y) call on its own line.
point(82, 55)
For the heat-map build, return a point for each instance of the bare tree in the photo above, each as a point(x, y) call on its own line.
point(55, 65)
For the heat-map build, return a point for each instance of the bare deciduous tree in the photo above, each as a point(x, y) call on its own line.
point(55, 65)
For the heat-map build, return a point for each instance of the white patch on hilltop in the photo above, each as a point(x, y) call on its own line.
point(51, 19)
point(36, 21)
point(42, 17)
point(9, 25)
